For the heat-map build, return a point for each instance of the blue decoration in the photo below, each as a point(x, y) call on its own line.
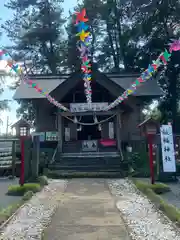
point(82, 26)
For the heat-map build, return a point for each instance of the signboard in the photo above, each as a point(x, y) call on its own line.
point(51, 136)
point(167, 145)
point(67, 134)
point(111, 130)
point(89, 145)
point(84, 107)
point(40, 134)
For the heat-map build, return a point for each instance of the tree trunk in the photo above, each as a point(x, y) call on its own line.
point(121, 42)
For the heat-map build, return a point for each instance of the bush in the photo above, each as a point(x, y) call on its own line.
point(43, 180)
point(158, 188)
point(28, 195)
point(17, 190)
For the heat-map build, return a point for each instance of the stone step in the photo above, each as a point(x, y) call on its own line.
point(86, 168)
point(90, 154)
point(84, 174)
point(88, 162)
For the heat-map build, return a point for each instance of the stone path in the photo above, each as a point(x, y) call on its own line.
point(87, 212)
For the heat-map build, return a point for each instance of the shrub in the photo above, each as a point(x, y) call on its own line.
point(158, 188)
point(17, 190)
point(43, 180)
point(28, 195)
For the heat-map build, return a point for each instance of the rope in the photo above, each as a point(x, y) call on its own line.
point(91, 124)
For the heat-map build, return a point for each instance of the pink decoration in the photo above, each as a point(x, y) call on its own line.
point(175, 46)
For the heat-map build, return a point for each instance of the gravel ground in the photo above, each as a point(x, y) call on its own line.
point(34, 216)
point(143, 220)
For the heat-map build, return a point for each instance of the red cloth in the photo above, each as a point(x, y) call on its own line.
point(108, 142)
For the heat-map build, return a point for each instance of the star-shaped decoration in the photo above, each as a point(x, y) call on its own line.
point(129, 91)
point(166, 55)
point(81, 16)
point(82, 26)
point(150, 69)
point(83, 35)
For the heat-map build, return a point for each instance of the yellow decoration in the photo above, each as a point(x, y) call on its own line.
point(129, 91)
point(83, 35)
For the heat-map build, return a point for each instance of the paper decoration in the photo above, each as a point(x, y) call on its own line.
point(81, 16)
point(167, 145)
point(146, 75)
point(86, 68)
point(175, 46)
point(83, 44)
point(18, 70)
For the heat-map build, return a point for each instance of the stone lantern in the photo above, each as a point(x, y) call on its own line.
point(149, 127)
point(22, 128)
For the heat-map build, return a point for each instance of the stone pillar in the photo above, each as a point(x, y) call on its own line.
point(27, 159)
point(60, 133)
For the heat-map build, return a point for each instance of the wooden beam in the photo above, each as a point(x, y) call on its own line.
point(69, 114)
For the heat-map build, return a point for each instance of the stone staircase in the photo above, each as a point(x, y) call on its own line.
point(95, 163)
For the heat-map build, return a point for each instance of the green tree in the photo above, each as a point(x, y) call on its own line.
point(156, 23)
point(36, 30)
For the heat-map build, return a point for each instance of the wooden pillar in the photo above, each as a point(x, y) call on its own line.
point(27, 158)
point(60, 133)
point(118, 131)
point(35, 158)
point(13, 158)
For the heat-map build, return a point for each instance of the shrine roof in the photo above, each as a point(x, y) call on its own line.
point(50, 83)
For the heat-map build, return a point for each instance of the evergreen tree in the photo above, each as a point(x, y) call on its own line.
point(158, 23)
point(37, 33)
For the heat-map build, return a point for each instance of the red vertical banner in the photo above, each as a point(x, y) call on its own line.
point(22, 161)
point(151, 164)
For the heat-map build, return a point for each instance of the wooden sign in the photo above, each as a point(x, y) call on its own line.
point(167, 145)
point(84, 107)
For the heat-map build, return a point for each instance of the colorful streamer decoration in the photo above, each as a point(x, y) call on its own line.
point(83, 48)
point(147, 74)
point(175, 46)
point(18, 70)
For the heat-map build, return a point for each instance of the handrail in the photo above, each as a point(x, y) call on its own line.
point(9, 140)
point(54, 154)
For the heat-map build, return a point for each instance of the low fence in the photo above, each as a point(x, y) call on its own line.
point(8, 158)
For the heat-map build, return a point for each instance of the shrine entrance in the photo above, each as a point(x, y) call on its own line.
point(89, 132)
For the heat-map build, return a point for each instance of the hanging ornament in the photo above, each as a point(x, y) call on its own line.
point(82, 45)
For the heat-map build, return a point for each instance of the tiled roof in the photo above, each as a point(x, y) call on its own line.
point(149, 88)
point(50, 83)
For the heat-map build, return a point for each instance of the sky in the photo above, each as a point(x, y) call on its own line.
point(6, 14)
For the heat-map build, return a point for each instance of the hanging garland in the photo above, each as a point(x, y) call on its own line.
point(146, 75)
point(83, 47)
point(18, 70)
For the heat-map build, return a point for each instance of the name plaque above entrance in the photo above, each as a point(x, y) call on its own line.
point(84, 107)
